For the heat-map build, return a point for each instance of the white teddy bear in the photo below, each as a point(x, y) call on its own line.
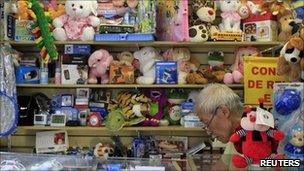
point(231, 19)
point(147, 57)
point(78, 22)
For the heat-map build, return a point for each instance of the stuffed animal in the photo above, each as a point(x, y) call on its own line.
point(196, 77)
point(287, 25)
point(295, 147)
point(215, 59)
point(255, 141)
point(57, 11)
point(204, 28)
point(147, 57)
point(22, 11)
point(103, 151)
point(99, 62)
point(278, 7)
point(231, 20)
point(126, 58)
point(248, 8)
point(290, 61)
point(182, 56)
point(78, 22)
point(237, 74)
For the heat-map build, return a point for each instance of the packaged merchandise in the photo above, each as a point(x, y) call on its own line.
point(74, 74)
point(19, 30)
point(261, 28)
point(166, 72)
point(172, 20)
point(27, 75)
point(77, 49)
point(121, 74)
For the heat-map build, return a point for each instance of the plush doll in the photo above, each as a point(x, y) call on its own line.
point(287, 25)
point(238, 67)
point(248, 8)
point(158, 104)
point(215, 59)
point(231, 20)
point(147, 57)
point(203, 28)
point(21, 10)
point(77, 23)
point(289, 62)
point(56, 11)
point(278, 7)
point(255, 141)
point(103, 151)
point(294, 149)
point(99, 62)
point(182, 56)
point(126, 58)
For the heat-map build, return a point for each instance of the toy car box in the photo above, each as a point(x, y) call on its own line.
point(19, 30)
point(260, 28)
point(121, 74)
point(166, 72)
point(74, 74)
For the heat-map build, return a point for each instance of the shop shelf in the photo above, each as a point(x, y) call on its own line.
point(63, 86)
point(83, 128)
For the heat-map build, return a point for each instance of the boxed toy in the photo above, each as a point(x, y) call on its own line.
point(288, 112)
point(166, 72)
point(19, 30)
point(77, 49)
point(172, 20)
point(74, 59)
point(74, 74)
point(260, 28)
point(121, 74)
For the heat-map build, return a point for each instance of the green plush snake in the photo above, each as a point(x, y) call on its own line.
point(45, 41)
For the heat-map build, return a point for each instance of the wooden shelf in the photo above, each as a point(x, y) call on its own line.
point(63, 86)
point(156, 43)
point(80, 128)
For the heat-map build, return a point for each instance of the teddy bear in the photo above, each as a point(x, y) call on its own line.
point(248, 8)
point(203, 28)
point(182, 56)
point(195, 77)
point(291, 58)
point(78, 22)
point(146, 56)
point(99, 62)
point(255, 141)
point(287, 25)
point(237, 74)
point(231, 20)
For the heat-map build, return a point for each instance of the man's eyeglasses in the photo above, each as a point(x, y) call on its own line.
point(206, 125)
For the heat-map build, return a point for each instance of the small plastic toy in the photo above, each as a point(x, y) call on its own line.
point(227, 36)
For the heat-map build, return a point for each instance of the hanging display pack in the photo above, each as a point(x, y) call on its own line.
point(8, 100)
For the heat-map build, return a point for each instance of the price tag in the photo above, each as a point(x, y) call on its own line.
point(263, 117)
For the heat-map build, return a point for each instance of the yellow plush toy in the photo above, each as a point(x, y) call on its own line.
point(22, 11)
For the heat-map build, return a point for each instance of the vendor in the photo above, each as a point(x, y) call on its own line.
point(220, 109)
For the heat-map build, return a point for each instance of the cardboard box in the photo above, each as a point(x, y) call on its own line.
point(166, 72)
point(74, 74)
point(121, 74)
point(75, 59)
point(263, 28)
point(19, 30)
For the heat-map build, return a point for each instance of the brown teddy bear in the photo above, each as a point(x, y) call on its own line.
point(287, 25)
point(195, 77)
point(290, 61)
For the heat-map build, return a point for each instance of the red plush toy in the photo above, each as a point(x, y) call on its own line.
point(255, 141)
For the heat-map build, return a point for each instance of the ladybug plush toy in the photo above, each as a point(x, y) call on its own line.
point(255, 141)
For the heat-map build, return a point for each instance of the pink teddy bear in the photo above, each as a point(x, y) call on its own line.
point(99, 62)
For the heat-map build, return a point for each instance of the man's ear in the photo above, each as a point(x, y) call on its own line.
point(224, 111)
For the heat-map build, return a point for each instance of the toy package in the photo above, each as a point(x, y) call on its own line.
point(74, 74)
point(19, 30)
point(121, 74)
point(166, 72)
point(172, 20)
point(260, 28)
point(288, 112)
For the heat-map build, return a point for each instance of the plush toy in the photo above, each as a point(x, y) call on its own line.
point(56, 11)
point(173, 111)
point(126, 58)
point(22, 11)
point(237, 74)
point(255, 141)
point(287, 25)
point(103, 151)
point(158, 104)
point(248, 8)
point(182, 56)
point(196, 77)
point(147, 57)
point(301, 32)
point(289, 62)
point(77, 23)
point(278, 7)
point(99, 62)
point(231, 20)
point(203, 28)
point(294, 149)
point(215, 59)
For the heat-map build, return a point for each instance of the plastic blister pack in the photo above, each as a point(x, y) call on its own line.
point(8, 100)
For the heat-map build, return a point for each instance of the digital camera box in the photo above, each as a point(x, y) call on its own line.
point(262, 28)
point(74, 74)
point(166, 72)
point(19, 30)
point(120, 74)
